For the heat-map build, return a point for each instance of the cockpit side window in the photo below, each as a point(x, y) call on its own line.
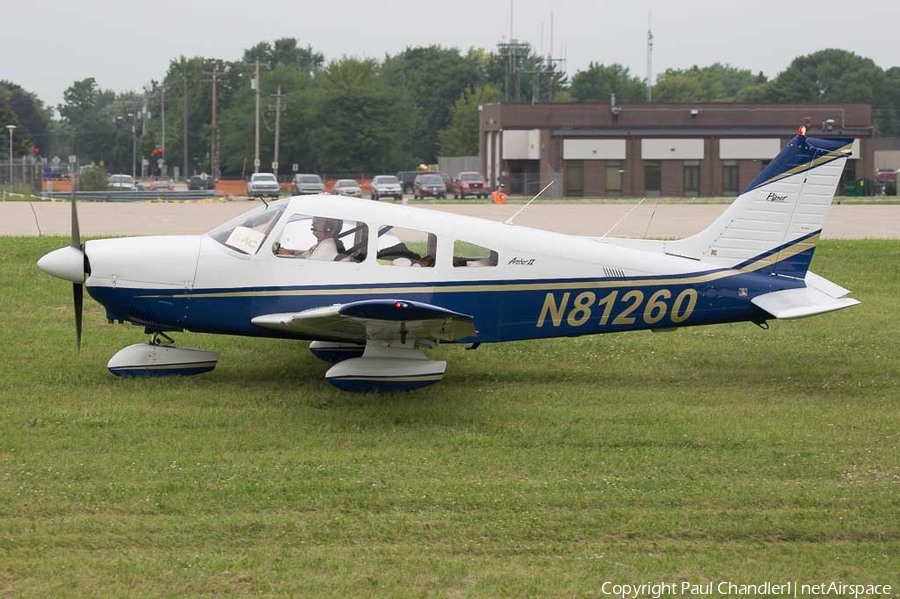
point(311, 237)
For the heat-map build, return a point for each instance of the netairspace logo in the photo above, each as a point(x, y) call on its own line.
point(725, 588)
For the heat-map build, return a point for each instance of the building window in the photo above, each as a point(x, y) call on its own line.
point(691, 178)
point(574, 178)
point(614, 172)
point(653, 178)
point(730, 177)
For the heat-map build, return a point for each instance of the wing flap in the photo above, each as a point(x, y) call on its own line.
point(379, 319)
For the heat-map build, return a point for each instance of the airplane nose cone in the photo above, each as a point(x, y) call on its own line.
point(65, 263)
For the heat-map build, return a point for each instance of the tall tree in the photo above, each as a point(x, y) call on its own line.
point(599, 82)
point(460, 138)
point(31, 117)
point(827, 76)
point(285, 51)
point(715, 83)
point(360, 122)
point(434, 77)
point(92, 129)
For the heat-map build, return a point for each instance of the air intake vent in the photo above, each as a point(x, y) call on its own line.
point(614, 273)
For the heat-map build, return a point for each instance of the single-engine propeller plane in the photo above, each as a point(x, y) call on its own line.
point(371, 284)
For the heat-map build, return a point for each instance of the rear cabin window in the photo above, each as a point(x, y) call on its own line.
point(308, 237)
point(471, 254)
point(398, 246)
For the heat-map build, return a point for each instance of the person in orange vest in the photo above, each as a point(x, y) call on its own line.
point(499, 196)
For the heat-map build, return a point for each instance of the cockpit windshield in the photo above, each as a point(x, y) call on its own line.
point(247, 232)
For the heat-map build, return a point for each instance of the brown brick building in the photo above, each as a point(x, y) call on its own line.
point(652, 150)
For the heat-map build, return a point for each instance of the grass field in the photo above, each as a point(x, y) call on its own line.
point(535, 469)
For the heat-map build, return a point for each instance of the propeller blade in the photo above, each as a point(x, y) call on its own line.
point(78, 297)
point(76, 232)
point(77, 288)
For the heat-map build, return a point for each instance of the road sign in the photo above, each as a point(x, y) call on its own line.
point(274, 166)
point(256, 163)
point(160, 163)
point(73, 159)
point(295, 167)
point(55, 161)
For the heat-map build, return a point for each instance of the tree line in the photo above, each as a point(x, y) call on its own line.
point(364, 115)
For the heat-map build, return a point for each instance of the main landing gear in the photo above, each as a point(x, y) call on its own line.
point(378, 367)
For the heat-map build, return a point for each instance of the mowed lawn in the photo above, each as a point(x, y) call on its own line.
point(535, 469)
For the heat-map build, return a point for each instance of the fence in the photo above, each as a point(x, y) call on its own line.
point(22, 174)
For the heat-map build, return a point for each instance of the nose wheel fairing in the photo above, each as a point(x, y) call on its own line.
point(160, 357)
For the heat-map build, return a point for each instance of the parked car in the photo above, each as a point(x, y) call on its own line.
point(201, 182)
point(304, 184)
point(347, 187)
point(161, 185)
point(386, 186)
point(263, 185)
point(468, 183)
point(885, 175)
point(122, 183)
point(407, 179)
point(429, 185)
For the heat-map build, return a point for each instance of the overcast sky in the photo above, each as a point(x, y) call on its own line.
point(46, 45)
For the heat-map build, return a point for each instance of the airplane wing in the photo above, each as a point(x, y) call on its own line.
point(819, 296)
point(377, 319)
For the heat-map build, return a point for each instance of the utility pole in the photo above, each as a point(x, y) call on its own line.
point(184, 122)
point(256, 145)
point(278, 97)
point(649, 59)
point(213, 133)
point(11, 128)
point(162, 111)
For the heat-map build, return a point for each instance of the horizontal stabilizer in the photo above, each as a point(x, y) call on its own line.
point(380, 319)
point(800, 303)
point(824, 285)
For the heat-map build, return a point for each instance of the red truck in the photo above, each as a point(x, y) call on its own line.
point(468, 183)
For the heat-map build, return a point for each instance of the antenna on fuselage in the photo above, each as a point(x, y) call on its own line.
point(618, 222)
point(509, 221)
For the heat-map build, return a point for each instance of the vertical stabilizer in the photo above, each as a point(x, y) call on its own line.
point(778, 218)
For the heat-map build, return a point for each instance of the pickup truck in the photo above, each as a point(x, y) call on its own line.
point(468, 184)
point(262, 185)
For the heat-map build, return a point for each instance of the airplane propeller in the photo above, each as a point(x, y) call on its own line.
point(70, 263)
point(77, 288)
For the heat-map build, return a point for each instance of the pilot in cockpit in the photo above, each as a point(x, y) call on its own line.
point(328, 245)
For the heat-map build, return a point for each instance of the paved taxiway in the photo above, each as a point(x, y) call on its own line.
point(102, 219)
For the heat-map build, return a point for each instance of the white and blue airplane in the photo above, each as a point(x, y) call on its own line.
point(373, 284)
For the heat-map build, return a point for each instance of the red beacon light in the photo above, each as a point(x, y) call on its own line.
point(801, 130)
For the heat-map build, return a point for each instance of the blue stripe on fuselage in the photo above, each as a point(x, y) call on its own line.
point(501, 312)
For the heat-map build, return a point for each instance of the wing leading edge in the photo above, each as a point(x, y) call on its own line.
point(374, 320)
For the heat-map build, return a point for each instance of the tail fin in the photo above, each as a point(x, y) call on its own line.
point(778, 218)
